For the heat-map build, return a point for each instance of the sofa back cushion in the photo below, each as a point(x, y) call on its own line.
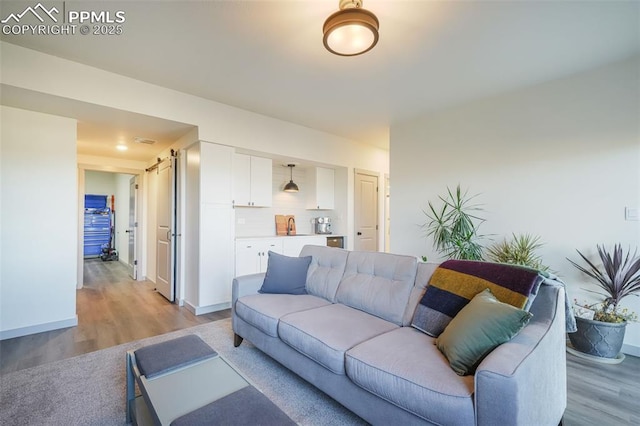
point(423, 275)
point(378, 283)
point(325, 271)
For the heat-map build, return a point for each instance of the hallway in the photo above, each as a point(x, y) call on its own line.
point(112, 309)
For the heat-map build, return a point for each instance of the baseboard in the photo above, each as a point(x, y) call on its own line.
point(39, 328)
point(631, 350)
point(201, 310)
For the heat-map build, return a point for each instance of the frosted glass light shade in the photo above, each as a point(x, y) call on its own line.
point(351, 32)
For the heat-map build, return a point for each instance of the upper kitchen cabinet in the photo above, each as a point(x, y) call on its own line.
point(252, 181)
point(320, 182)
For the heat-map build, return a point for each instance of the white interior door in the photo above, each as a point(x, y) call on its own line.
point(132, 262)
point(164, 229)
point(366, 211)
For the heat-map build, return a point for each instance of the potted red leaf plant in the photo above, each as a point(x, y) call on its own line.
point(617, 278)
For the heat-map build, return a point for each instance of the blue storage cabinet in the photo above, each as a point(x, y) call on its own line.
point(97, 224)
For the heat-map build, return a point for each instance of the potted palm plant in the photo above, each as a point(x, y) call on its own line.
point(454, 226)
point(617, 278)
point(521, 249)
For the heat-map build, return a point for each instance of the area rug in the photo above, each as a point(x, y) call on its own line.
point(90, 389)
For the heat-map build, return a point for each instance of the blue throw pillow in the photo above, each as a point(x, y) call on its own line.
point(285, 275)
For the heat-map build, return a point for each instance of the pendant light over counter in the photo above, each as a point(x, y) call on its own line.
point(350, 31)
point(291, 186)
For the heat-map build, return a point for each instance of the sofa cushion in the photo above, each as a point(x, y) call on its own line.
point(324, 334)
point(325, 271)
point(455, 282)
point(423, 275)
point(378, 283)
point(482, 325)
point(404, 367)
point(285, 275)
point(263, 311)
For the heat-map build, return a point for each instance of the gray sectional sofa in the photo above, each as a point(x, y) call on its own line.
point(350, 336)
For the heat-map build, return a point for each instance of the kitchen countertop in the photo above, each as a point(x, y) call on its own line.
point(287, 236)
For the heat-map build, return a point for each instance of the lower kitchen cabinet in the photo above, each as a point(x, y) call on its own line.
point(252, 254)
point(292, 246)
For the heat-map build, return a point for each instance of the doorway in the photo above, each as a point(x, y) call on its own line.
point(122, 206)
point(366, 210)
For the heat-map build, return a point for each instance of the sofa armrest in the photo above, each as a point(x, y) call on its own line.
point(524, 381)
point(245, 285)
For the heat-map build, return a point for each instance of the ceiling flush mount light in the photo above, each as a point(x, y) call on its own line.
point(121, 147)
point(291, 186)
point(350, 31)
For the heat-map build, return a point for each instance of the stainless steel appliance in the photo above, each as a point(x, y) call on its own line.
point(335, 242)
point(322, 225)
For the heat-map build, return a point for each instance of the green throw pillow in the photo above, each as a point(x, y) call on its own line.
point(481, 326)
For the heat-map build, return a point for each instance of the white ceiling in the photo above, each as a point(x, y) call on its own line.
point(268, 57)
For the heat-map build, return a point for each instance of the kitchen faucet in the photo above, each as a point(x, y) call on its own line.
point(290, 225)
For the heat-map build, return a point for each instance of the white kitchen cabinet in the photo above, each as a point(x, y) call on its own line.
point(252, 181)
point(252, 255)
point(215, 174)
point(208, 217)
point(320, 182)
point(216, 255)
point(291, 246)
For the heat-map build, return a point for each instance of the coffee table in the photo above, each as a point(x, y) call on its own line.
point(167, 397)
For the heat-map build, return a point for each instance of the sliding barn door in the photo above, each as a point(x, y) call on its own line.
point(165, 263)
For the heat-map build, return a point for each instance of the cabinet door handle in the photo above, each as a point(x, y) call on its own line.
point(359, 233)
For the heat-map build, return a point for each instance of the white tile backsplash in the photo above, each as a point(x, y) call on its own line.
point(261, 222)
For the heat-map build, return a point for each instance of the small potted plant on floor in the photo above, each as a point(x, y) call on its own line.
point(618, 277)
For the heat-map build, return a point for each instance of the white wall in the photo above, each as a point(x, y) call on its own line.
point(38, 233)
point(560, 160)
point(99, 183)
point(217, 123)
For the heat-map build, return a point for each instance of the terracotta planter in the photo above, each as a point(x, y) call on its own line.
point(597, 338)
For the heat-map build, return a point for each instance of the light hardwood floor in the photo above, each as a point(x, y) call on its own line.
point(113, 309)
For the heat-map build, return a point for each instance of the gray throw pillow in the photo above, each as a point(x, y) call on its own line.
point(285, 275)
